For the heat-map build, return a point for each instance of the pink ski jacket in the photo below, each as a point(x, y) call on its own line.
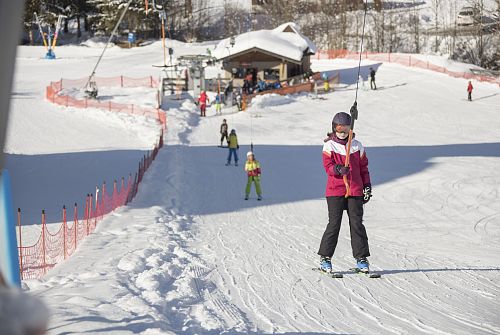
point(334, 152)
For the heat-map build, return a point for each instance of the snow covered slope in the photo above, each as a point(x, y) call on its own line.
point(190, 256)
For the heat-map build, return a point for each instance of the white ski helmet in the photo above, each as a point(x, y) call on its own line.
point(250, 153)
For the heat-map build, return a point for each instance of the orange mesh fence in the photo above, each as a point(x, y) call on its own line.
point(52, 247)
point(404, 59)
point(54, 94)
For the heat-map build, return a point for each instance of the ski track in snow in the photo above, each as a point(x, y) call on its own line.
point(190, 256)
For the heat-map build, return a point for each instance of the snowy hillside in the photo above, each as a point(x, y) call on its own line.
point(190, 256)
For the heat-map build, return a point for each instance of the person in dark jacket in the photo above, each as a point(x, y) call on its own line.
point(340, 198)
point(373, 86)
point(224, 132)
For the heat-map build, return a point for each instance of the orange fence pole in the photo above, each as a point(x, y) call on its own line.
point(64, 231)
point(44, 263)
point(75, 224)
point(20, 243)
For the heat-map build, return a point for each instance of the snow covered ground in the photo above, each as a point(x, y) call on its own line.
point(190, 256)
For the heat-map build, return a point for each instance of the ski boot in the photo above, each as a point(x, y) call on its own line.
point(236, 164)
point(362, 265)
point(325, 264)
point(246, 197)
point(228, 163)
point(259, 197)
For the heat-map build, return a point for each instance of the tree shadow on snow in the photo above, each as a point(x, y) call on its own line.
point(349, 76)
point(289, 173)
point(49, 181)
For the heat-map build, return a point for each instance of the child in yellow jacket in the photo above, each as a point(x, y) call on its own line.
point(252, 167)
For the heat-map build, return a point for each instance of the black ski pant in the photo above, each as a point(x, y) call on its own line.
point(359, 239)
point(224, 136)
point(470, 96)
point(373, 86)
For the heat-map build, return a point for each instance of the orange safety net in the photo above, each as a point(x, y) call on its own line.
point(54, 95)
point(403, 59)
point(52, 248)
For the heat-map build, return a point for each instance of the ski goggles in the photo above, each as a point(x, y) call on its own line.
point(342, 128)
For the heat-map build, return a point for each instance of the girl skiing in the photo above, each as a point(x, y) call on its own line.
point(203, 100)
point(252, 167)
point(358, 178)
point(469, 91)
point(218, 107)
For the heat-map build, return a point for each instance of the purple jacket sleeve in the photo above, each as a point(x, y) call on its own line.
point(365, 174)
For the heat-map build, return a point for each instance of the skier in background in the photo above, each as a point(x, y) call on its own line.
point(223, 132)
point(334, 155)
point(373, 86)
point(252, 167)
point(218, 107)
point(233, 147)
point(469, 91)
point(202, 100)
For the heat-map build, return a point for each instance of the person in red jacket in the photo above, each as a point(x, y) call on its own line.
point(469, 90)
point(203, 99)
point(358, 177)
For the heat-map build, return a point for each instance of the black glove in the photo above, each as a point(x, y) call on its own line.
point(341, 170)
point(367, 193)
point(237, 147)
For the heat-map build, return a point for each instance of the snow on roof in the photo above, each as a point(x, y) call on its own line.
point(285, 40)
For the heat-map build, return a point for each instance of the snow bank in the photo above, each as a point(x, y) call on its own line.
point(269, 100)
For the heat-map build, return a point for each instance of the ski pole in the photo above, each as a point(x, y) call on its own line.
point(41, 31)
point(56, 32)
point(354, 116)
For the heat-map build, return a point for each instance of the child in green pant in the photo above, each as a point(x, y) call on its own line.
point(252, 167)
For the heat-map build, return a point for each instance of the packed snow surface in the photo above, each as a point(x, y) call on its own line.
point(190, 256)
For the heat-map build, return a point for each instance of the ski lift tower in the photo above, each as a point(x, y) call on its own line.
point(196, 65)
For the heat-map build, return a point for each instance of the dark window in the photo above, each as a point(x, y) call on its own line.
point(271, 74)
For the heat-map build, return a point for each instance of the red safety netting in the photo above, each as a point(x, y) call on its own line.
point(54, 95)
point(404, 59)
point(53, 247)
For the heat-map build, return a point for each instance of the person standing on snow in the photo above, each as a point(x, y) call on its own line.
point(218, 107)
point(252, 167)
point(358, 176)
point(469, 90)
point(373, 86)
point(223, 132)
point(203, 99)
point(233, 147)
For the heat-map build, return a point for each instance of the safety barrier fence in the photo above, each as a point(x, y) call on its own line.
point(404, 59)
point(55, 94)
point(298, 88)
point(53, 247)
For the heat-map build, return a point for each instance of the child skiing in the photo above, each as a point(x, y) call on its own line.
point(218, 107)
point(469, 90)
point(203, 99)
point(223, 132)
point(252, 167)
point(233, 146)
point(358, 177)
